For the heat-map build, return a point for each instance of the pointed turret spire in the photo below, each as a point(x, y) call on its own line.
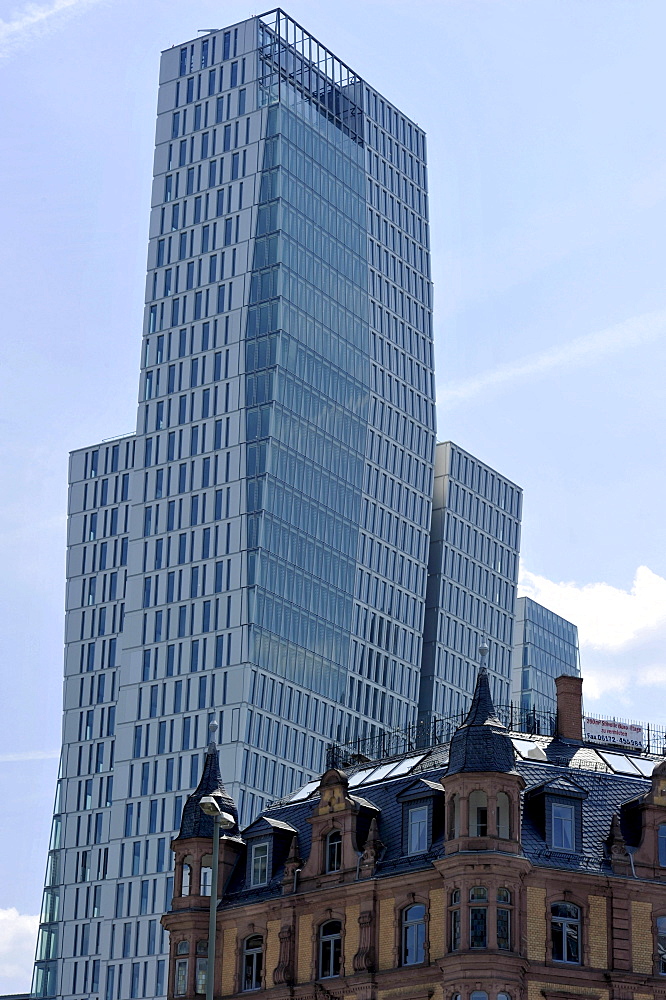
point(195, 822)
point(481, 743)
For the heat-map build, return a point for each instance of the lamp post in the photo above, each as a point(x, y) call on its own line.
point(212, 806)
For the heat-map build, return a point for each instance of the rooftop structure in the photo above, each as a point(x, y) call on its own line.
point(487, 869)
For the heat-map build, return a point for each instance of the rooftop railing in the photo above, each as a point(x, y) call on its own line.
point(438, 731)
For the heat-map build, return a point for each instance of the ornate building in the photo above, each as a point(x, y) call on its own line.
point(498, 867)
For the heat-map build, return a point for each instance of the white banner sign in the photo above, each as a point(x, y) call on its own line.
point(620, 733)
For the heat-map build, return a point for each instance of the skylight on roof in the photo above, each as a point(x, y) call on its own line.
point(618, 762)
point(405, 766)
point(304, 792)
point(645, 766)
point(360, 776)
point(523, 746)
point(379, 772)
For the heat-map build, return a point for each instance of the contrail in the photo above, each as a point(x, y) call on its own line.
point(34, 16)
point(583, 350)
point(11, 758)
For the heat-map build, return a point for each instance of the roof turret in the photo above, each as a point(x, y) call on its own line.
point(482, 742)
point(195, 822)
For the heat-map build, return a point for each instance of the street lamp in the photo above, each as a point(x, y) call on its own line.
point(212, 806)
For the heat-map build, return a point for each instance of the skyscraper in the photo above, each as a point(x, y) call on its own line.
point(472, 576)
point(545, 646)
point(257, 550)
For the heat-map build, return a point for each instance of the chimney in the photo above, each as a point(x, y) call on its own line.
point(569, 707)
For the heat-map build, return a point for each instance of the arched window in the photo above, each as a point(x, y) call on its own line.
point(478, 814)
point(478, 917)
point(503, 996)
point(478, 995)
point(661, 946)
point(206, 879)
point(334, 851)
point(202, 966)
point(330, 949)
point(503, 919)
point(183, 948)
point(565, 932)
point(454, 921)
point(253, 962)
point(503, 824)
point(187, 879)
point(413, 935)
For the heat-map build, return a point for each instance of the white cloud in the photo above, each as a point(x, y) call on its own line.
point(35, 17)
point(18, 934)
point(607, 617)
point(581, 351)
point(622, 636)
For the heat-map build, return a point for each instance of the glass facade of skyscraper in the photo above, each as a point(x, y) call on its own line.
point(472, 576)
point(545, 646)
point(256, 552)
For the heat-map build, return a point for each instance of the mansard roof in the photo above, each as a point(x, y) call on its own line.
point(568, 769)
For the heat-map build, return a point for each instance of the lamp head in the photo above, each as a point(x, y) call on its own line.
point(211, 805)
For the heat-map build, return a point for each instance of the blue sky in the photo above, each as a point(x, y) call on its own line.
point(548, 208)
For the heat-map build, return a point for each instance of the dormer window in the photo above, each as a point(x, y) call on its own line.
point(334, 851)
point(556, 808)
point(259, 864)
point(417, 829)
point(563, 829)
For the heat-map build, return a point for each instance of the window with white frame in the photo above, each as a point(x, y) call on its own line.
point(417, 829)
point(565, 927)
point(253, 962)
point(413, 935)
point(563, 835)
point(259, 864)
point(330, 949)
